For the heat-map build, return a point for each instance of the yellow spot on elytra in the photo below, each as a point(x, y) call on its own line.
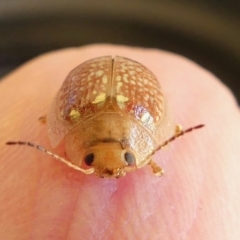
point(145, 81)
point(74, 115)
point(132, 82)
point(100, 98)
point(101, 63)
point(119, 84)
point(125, 79)
point(104, 79)
point(99, 73)
point(146, 117)
point(122, 99)
point(146, 97)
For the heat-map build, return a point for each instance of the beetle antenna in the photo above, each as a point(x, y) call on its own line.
point(63, 160)
point(178, 134)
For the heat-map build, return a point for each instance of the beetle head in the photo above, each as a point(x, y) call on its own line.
point(110, 160)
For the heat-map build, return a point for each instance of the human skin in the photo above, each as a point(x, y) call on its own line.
point(197, 198)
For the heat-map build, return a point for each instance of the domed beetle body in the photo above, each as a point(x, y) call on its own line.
point(111, 115)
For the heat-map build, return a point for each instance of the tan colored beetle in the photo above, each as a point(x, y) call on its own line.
point(110, 113)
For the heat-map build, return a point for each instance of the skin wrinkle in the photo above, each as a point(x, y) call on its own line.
point(39, 165)
point(221, 173)
point(100, 211)
point(36, 190)
point(121, 210)
point(138, 217)
point(113, 219)
point(66, 211)
point(20, 202)
point(35, 214)
point(105, 230)
point(67, 234)
point(134, 203)
point(44, 193)
point(190, 209)
point(192, 222)
point(33, 223)
point(197, 199)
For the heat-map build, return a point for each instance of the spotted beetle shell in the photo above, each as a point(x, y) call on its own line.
point(106, 99)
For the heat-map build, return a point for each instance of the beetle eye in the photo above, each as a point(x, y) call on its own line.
point(129, 158)
point(88, 159)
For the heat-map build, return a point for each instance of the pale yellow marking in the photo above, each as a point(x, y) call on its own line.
point(123, 66)
point(122, 99)
point(146, 97)
point(150, 84)
point(100, 98)
point(145, 81)
point(146, 117)
point(101, 63)
point(118, 78)
point(104, 79)
point(133, 82)
point(138, 69)
point(132, 72)
point(74, 115)
point(93, 65)
point(125, 79)
point(99, 73)
point(119, 85)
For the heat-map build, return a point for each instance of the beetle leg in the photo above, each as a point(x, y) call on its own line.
point(157, 170)
point(178, 129)
point(43, 119)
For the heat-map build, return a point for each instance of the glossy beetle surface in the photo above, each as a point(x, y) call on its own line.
point(111, 116)
point(109, 109)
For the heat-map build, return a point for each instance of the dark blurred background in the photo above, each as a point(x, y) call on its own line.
point(206, 31)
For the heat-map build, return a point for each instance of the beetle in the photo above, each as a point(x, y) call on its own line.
point(111, 115)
